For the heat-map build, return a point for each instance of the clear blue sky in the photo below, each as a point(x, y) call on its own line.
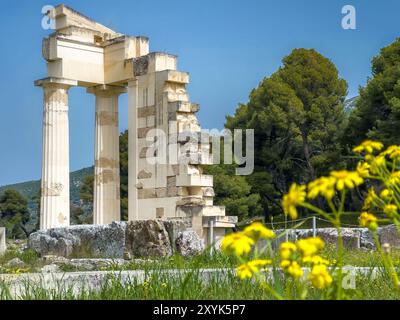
point(228, 46)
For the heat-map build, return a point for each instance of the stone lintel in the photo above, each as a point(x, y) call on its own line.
point(106, 90)
point(66, 16)
point(56, 82)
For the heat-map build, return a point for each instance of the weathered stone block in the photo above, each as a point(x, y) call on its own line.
point(171, 181)
point(389, 234)
point(142, 132)
point(147, 193)
point(147, 238)
point(94, 241)
point(174, 228)
point(189, 243)
point(172, 192)
point(161, 192)
point(146, 111)
point(144, 174)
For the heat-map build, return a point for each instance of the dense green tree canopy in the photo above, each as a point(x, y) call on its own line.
point(14, 213)
point(234, 192)
point(377, 113)
point(297, 114)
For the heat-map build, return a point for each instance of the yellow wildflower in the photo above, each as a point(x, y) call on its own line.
point(246, 270)
point(344, 178)
point(292, 268)
point(164, 285)
point(390, 210)
point(286, 250)
point(322, 186)
point(237, 243)
point(310, 246)
point(257, 230)
point(377, 163)
point(369, 221)
point(320, 277)
point(314, 260)
point(260, 262)
point(386, 194)
point(368, 146)
point(363, 169)
point(394, 178)
point(370, 199)
point(295, 197)
point(392, 151)
point(285, 263)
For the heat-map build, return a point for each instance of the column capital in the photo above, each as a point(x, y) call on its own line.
point(106, 90)
point(56, 83)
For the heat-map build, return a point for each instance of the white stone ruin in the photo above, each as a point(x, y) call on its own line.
point(82, 52)
point(3, 245)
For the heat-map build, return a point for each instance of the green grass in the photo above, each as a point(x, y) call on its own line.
point(353, 257)
point(192, 286)
point(29, 257)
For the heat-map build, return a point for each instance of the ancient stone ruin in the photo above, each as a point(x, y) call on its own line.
point(3, 245)
point(82, 52)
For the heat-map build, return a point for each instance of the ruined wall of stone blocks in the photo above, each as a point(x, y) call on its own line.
point(177, 188)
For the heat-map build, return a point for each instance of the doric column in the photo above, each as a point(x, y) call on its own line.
point(106, 198)
point(133, 97)
point(54, 204)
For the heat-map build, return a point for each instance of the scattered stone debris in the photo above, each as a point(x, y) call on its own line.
point(118, 240)
point(353, 238)
point(95, 241)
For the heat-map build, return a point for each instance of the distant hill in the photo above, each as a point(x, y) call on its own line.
point(350, 104)
point(30, 190)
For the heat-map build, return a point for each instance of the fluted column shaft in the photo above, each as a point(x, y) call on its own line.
point(106, 197)
point(133, 154)
point(54, 204)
